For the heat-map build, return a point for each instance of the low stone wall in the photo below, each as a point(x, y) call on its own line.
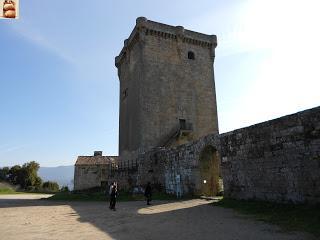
point(277, 160)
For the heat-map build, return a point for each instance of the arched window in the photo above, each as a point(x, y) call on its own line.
point(191, 55)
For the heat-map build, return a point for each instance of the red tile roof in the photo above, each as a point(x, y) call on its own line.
point(96, 160)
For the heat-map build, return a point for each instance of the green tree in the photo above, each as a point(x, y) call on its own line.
point(26, 176)
point(4, 172)
point(30, 174)
point(38, 183)
point(14, 174)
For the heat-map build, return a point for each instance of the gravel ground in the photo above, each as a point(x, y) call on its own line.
point(26, 217)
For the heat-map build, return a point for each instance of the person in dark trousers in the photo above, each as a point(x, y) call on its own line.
point(109, 191)
point(148, 193)
point(113, 196)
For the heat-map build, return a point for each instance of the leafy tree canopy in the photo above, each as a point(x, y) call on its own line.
point(26, 175)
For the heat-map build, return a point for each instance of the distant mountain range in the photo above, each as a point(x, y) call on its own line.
point(63, 175)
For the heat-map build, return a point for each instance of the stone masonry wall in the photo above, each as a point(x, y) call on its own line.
point(277, 160)
point(161, 85)
point(89, 176)
point(173, 170)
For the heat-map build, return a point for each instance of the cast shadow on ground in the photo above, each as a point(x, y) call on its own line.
point(193, 219)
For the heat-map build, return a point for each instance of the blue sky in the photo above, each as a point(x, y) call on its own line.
point(59, 87)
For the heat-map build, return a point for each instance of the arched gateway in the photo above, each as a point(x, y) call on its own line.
point(209, 166)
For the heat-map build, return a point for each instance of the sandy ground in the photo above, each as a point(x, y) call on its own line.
point(25, 217)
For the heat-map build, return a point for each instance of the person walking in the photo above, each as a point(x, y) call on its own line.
point(109, 192)
point(113, 196)
point(148, 193)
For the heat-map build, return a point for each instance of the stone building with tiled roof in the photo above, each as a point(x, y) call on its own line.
point(92, 171)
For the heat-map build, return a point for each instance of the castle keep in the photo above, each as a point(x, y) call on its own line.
point(167, 90)
point(169, 129)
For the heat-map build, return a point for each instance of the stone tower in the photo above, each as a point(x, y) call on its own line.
point(167, 89)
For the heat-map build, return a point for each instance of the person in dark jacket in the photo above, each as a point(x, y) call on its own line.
point(113, 196)
point(109, 191)
point(148, 193)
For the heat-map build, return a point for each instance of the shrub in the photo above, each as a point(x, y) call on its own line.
point(50, 186)
point(64, 189)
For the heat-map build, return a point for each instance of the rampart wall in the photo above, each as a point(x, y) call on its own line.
point(277, 160)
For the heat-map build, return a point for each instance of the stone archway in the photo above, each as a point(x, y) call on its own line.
point(209, 166)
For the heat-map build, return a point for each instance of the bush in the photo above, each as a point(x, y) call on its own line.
point(6, 190)
point(64, 189)
point(50, 186)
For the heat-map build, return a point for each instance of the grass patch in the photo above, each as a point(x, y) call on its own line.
point(289, 217)
point(7, 191)
point(99, 196)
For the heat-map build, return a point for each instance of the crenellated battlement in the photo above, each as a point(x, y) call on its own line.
point(144, 28)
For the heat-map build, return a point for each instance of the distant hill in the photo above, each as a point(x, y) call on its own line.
point(63, 175)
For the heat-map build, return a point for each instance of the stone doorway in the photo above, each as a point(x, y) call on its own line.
point(209, 171)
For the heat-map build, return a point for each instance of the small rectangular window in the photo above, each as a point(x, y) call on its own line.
point(182, 123)
point(125, 94)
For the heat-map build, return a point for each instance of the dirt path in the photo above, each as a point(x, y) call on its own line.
point(23, 217)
